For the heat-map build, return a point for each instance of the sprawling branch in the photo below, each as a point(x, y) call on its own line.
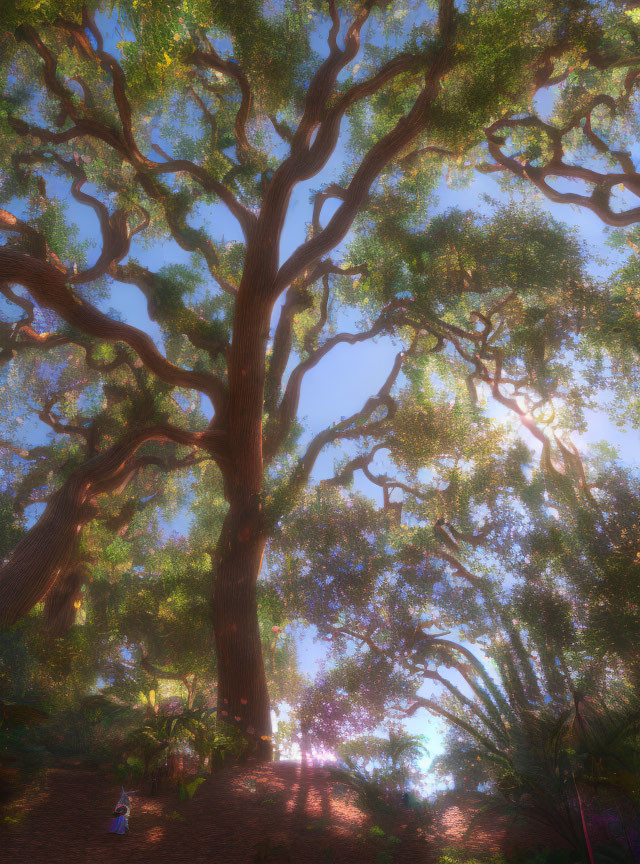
point(486, 712)
point(297, 299)
point(458, 568)
point(454, 719)
point(357, 425)
point(322, 85)
point(56, 423)
point(358, 463)
point(384, 151)
point(410, 159)
point(364, 638)
point(603, 183)
point(478, 356)
point(121, 140)
point(49, 546)
point(116, 230)
point(49, 288)
point(191, 324)
point(319, 199)
point(21, 336)
point(288, 407)
point(188, 238)
point(308, 156)
point(211, 59)
point(311, 336)
point(189, 680)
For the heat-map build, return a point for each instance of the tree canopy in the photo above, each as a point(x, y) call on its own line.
point(467, 557)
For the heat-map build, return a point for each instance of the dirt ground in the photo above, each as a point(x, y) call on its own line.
point(281, 812)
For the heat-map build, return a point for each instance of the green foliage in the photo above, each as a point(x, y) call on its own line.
point(10, 528)
point(387, 763)
point(454, 855)
point(36, 12)
point(215, 741)
point(186, 791)
point(22, 754)
point(496, 41)
point(13, 716)
point(519, 580)
point(603, 855)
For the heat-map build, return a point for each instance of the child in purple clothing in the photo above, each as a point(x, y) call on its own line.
point(120, 821)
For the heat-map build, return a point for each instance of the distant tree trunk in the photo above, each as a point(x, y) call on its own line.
point(190, 683)
point(305, 746)
point(243, 697)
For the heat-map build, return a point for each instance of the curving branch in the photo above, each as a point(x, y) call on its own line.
point(31, 454)
point(321, 119)
point(414, 156)
point(458, 568)
point(602, 183)
point(328, 268)
point(191, 324)
point(49, 288)
point(287, 409)
point(474, 540)
point(48, 548)
point(115, 229)
point(122, 139)
point(311, 336)
point(334, 190)
point(282, 129)
point(298, 299)
point(357, 425)
point(21, 336)
point(208, 115)
point(360, 462)
point(478, 356)
point(384, 151)
point(189, 680)
point(322, 85)
point(188, 238)
point(26, 305)
point(486, 712)
point(469, 728)
point(52, 420)
point(210, 59)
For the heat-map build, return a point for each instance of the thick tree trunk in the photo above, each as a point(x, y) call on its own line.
point(243, 697)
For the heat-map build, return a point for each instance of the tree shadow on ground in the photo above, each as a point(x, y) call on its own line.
point(278, 812)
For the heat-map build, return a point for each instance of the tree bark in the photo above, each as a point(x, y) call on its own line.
point(243, 697)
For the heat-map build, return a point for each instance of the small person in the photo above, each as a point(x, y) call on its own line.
point(120, 820)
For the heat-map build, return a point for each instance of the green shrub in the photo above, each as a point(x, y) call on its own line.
point(186, 791)
point(455, 855)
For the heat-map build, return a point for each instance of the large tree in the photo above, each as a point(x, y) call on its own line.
point(251, 102)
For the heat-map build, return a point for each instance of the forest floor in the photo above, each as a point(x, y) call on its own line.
point(280, 812)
